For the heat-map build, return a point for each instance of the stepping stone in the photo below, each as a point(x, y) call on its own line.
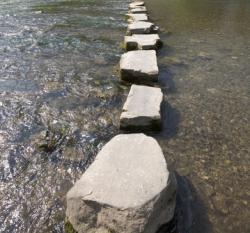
point(141, 27)
point(139, 10)
point(139, 66)
point(127, 189)
point(137, 17)
point(142, 42)
point(142, 109)
point(136, 4)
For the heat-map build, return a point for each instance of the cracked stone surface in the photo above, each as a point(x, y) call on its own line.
point(127, 189)
point(139, 66)
point(142, 109)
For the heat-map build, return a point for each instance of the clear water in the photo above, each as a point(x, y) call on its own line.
point(206, 73)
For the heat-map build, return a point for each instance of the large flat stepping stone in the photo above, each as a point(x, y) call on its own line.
point(127, 189)
point(136, 4)
point(138, 10)
point(143, 42)
point(141, 27)
point(137, 17)
point(139, 66)
point(142, 109)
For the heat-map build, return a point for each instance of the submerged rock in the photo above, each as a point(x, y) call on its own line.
point(127, 189)
point(139, 66)
point(141, 110)
point(142, 42)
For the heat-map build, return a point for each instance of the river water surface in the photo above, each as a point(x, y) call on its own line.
point(60, 101)
point(206, 73)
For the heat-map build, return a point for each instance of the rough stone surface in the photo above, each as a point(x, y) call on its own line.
point(137, 17)
point(136, 4)
point(138, 10)
point(142, 42)
point(139, 66)
point(127, 189)
point(142, 109)
point(141, 27)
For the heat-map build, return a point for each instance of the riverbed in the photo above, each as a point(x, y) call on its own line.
point(205, 70)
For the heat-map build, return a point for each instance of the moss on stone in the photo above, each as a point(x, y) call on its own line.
point(68, 227)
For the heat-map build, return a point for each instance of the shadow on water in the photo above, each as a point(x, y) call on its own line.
point(166, 80)
point(188, 218)
point(170, 120)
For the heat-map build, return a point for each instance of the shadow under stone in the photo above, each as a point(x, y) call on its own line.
point(166, 80)
point(190, 214)
point(170, 120)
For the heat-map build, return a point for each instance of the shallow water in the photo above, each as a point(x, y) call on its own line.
point(205, 69)
point(60, 100)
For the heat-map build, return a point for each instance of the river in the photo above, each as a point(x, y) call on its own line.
point(61, 98)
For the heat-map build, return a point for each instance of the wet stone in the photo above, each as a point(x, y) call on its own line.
point(128, 189)
point(138, 10)
point(141, 27)
point(139, 66)
point(141, 111)
point(137, 17)
point(136, 4)
point(142, 42)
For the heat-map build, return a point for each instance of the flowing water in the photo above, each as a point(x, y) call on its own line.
point(60, 101)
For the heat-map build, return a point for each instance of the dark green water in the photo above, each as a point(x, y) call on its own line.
point(205, 69)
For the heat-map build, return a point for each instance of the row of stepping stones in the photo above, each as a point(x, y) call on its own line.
point(128, 188)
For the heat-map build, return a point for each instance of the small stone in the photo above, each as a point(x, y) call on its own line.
point(139, 66)
point(137, 17)
point(127, 189)
point(212, 90)
point(220, 204)
point(173, 61)
point(141, 110)
point(138, 10)
point(141, 27)
point(142, 42)
point(205, 56)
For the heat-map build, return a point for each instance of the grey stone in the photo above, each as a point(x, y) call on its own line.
point(141, 27)
point(138, 10)
point(142, 109)
point(143, 42)
point(127, 189)
point(139, 66)
point(137, 17)
point(136, 4)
